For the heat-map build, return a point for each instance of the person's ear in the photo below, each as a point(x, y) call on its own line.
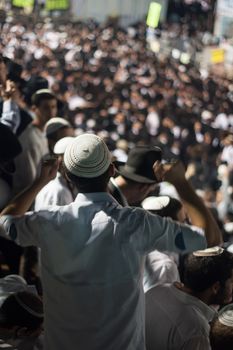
point(215, 288)
point(65, 173)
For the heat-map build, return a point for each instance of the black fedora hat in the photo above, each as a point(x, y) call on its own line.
point(139, 165)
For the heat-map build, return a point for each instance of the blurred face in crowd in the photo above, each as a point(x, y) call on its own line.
point(224, 294)
point(47, 109)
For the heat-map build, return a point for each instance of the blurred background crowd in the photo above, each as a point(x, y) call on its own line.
point(128, 84)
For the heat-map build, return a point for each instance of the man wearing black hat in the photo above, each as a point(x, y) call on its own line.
point(136, 178)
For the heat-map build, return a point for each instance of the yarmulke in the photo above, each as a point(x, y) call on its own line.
point(213, 251)
point(155, 203)
point(61, 145)
point(226, 315)
point(44, 91)
point(87, 156)
point(54, 124)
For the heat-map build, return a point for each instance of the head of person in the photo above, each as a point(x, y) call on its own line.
point(137, 177)
point(21, 316)
point(45, 105)
point(208, 274)
point(165, 206)
point(88, 163)
point(56, 129)
point(60, 147)
point(34, 84)
point(221, 331)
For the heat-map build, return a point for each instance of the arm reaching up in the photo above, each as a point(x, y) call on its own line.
point(22, 202)
point(199, 214)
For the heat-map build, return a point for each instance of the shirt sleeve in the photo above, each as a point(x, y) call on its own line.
point(24, 230)
point(11, 115)
point(154, 232)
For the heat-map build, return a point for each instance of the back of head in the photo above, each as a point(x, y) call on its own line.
point(35, 83)
point(22, 309)
point(41, 95)
point(204, 268)
point(87, 160)
point(53, 125)
point(164, 206)
point(221, 333)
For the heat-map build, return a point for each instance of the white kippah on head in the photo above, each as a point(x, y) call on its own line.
point(55, 124)
point(87, 156)
point(226, 315)
point(155, 203)
point(213, 251)
point(61, 145)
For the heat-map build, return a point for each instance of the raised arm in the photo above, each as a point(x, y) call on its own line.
point(199, 214)
point(22, 202)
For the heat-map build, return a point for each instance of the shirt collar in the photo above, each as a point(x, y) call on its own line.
point(208, 312)
point(96, 197)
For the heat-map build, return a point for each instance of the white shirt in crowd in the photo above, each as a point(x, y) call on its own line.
point(92, 258)
point(55, 192)
point(176, 320)
point(160, 268)
point(152, 123)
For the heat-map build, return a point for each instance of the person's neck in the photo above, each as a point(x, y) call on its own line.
point(203, 296)
point(38, 124)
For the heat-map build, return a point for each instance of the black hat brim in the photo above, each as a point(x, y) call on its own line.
point(134, 177)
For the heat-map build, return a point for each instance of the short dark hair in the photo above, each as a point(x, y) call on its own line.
point(38, 98)
point(201, 272)
point(221, 336)
point(13, 313)
point(171, 210)
point(88, 185)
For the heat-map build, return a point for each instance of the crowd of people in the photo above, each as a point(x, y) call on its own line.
point(116, 185)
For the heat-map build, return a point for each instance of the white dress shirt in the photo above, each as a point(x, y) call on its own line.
point(55, 192)
point(176, 320)
point(92, 257)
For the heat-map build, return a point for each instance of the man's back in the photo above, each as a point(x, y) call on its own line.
point(176, 320)
point(92, 254)
point(91, 276)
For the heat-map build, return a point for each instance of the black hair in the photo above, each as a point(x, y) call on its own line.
point(23, 309)
point(38, 98)
point(221, 336)
point(201, 272)
point(171, 210)
point(89, 185)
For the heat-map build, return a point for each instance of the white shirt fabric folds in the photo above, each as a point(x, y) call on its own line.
point(176, 320)
point(92, 257)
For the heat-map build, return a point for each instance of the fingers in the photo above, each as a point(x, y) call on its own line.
point(9, 89)
point(159, 171)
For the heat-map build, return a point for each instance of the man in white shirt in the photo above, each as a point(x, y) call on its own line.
point(58, 191)
point(178, 316)
point(92, 250)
